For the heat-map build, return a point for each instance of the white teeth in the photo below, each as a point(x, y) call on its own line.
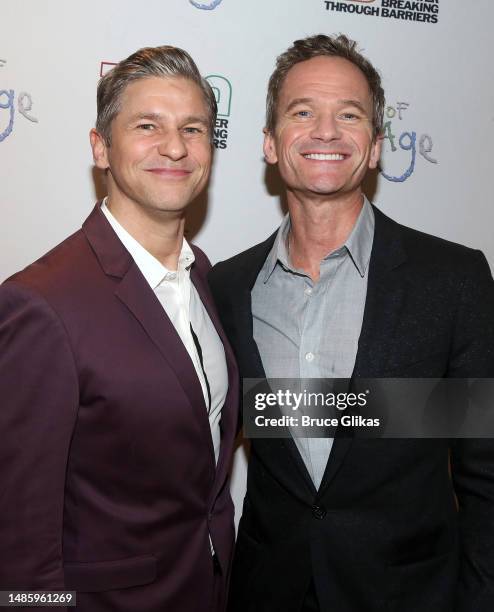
point(324, 156)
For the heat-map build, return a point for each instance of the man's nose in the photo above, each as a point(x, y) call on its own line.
point(326, 128)
point(172, 145)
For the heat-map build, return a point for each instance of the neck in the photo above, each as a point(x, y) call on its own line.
point(159, 232)
point(319, 228)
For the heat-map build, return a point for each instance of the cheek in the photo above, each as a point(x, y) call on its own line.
point(281, 144)
point(294, 141)
point(203, 156)
point(134, 147)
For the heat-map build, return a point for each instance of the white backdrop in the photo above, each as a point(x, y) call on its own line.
point(439, 91)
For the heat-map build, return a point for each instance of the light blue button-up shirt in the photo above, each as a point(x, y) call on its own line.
point(311, 330)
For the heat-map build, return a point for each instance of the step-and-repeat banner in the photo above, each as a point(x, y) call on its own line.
point(435, 57)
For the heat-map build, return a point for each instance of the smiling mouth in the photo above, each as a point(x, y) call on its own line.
point(169, 172)
point(325, 156)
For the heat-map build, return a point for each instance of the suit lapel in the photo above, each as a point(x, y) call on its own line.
point(134, 292)
point(137, 296)
point(383, 305)
point(385, 295)
point(249, 359)
point(250, 362)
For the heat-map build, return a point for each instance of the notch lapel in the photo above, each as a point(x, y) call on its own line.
point(385, 296)
point(141, 301)
point(250, 364)
point(383, 304)
point(134, 292)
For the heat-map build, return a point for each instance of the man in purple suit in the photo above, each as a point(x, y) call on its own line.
point(117, 384)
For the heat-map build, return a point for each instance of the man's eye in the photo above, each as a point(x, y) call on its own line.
point(146, 126)
point(303, 113)
point(192, 130)
point(349, 116)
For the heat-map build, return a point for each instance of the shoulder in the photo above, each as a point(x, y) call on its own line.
point(32, 330)
point(423, 245)
point(58, 272)
point(249, 261)
point(426, 250)
point(25, 308)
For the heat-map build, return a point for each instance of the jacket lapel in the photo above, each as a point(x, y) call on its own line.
point(241, 323)
point(250, 364)
point(385, 295)
point(137, 296)
point(383, 304)
point(134, 292)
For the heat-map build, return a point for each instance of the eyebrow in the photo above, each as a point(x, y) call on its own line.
point(343, 102)
point(150, 116)
point(355, 103)
point(297, 101)
point(158, 117)
point(196, 119)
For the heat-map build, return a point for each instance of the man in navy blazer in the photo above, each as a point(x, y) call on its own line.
point(342, 291)
point(118, 387)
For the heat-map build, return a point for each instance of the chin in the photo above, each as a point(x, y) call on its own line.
point(167, 203)
point(325, 188)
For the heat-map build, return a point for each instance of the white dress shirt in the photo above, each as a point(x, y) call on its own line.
point(184, 307)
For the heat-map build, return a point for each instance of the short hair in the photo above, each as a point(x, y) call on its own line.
point(326, 46)
point(164, 61)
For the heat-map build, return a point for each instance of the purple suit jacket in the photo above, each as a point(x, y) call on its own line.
point(108, 480)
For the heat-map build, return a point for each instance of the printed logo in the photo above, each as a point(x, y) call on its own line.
point(408, 141)
point(222, 89)
point(206, 6)
point(11, 102)
point(424, 11)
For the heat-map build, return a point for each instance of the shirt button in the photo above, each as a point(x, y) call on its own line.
point(309, 356)
point(308, 291)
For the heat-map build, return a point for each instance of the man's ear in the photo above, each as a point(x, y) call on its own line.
point(269, 147)
point(376, 151)
point(100, 149)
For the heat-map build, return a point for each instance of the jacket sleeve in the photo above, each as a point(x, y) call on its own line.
point(472, 460)
point(39, 400)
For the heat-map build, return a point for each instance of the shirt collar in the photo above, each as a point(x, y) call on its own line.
point(153, 270)
point(358, 244)
point(279, 251)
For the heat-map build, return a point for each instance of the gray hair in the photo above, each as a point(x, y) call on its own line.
point(327, 46)
point(165, 61)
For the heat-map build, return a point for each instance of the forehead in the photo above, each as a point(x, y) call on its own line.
point(326, 77)
point(158, 94)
